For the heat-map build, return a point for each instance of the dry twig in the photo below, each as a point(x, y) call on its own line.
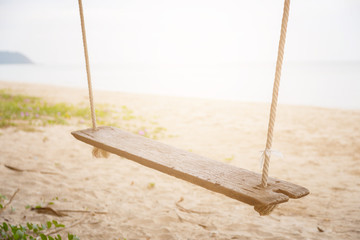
point(28, 170)
point(181, 208)
point(8, 203)
point(48, 210)
point(72, 225)
point(61, 213)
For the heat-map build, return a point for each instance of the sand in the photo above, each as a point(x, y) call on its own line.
point(124, 200)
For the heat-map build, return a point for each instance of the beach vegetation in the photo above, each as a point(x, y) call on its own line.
point(32, 231)
point(24, 111)
point(27, 113)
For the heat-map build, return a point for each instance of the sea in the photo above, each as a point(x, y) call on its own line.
point(323, 84)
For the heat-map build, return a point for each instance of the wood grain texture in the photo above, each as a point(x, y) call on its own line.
point(231, 181)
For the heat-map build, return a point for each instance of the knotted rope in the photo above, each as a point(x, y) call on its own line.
point(96, 151)
point(265, 172)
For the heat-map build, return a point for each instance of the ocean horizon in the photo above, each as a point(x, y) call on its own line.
point(321, 84)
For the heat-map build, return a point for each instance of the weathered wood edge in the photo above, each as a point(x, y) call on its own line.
point(278, 186)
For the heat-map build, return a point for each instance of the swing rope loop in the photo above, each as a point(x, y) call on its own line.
point(265, 172)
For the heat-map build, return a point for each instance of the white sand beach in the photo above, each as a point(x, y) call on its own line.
point(121, 199)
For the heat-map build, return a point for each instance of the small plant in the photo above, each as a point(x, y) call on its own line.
point(2, 198)
point(32, 231)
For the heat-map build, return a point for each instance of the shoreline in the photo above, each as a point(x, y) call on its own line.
point(23, 87)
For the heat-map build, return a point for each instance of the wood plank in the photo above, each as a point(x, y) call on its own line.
point(231, 181)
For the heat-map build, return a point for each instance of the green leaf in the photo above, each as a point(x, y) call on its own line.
point(58, 237)
point(18, 235)
point(5, 226)
point(70, 236)
point(1, 206)
point(23, 229)
point(43, 237)
point(21, 234)
point(29, 225)
point(58, 225)
point(48, 224)
point(41, 227)
point(50, 238)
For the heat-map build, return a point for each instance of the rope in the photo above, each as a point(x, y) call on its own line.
point(97, 152)
point(91, 97)
point(265, 172)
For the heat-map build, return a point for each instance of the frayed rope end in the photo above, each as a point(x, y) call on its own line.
point(100, 153)
point(265, 210)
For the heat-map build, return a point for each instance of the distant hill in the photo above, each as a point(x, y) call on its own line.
point(13, 58)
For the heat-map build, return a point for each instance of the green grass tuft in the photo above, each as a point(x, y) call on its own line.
point(20, 109)
point(27, 113)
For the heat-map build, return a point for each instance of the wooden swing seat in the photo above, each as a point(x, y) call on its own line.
point(237, 183)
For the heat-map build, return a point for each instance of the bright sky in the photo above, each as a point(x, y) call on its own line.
point(181, 31)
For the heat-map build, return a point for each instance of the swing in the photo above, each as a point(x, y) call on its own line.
point(260, 191)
